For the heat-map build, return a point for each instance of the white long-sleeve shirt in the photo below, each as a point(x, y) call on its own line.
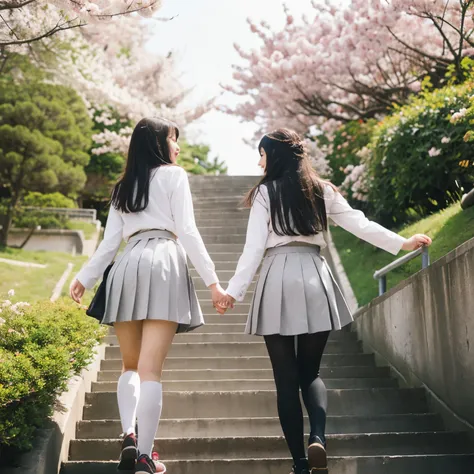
point(170, 208)
point(261, 235)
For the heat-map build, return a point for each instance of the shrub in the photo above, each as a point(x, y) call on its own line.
point(41, 347)
point(33, 199)
point(28, 219)
point(415, 166)
point(48, 200)
point(344, 147)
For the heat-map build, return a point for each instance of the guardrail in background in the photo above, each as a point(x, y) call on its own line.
point(89, 215)
point(381, 275)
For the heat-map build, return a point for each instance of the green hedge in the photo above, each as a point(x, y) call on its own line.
point(41, 347)
point(417, 152)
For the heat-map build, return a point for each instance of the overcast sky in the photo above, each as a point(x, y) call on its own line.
point(202, 37)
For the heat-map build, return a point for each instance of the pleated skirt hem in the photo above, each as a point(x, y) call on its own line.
point(151, 281)
point(296, 293)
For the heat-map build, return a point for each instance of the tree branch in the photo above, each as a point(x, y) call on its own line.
point(65, 26)
point(13, 5)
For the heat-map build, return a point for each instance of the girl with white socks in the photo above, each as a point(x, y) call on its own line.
point(149, 293)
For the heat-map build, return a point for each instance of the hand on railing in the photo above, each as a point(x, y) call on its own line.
point(416, 241)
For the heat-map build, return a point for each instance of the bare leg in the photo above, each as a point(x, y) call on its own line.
point(157, 337)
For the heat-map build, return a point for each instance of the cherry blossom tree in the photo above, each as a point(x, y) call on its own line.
point(20, 27)
point(350, 63)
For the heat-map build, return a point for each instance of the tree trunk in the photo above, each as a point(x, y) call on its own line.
point(6, 226)
point(9, 218)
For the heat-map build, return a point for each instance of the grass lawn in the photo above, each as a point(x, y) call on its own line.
point(86, 227)
point(33, 284)
point(448, 229)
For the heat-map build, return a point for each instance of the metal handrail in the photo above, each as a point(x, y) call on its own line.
point(381, 275)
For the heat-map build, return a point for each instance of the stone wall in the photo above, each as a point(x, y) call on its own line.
point(424, 328)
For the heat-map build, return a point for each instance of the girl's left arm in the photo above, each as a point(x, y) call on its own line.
point(355, 222)
point(255, 244)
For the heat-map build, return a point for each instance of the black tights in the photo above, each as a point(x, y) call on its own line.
point(294, 367)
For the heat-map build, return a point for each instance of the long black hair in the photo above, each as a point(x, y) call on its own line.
point(148, 150)
point(295, 190)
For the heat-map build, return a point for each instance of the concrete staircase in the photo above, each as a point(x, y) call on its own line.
point(219, 414)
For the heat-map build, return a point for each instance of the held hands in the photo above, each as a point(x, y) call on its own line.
point(220, 299)
point(417, 241)
point(76, 291)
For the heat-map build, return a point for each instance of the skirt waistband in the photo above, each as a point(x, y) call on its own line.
point(152, 233)
point(285, 249)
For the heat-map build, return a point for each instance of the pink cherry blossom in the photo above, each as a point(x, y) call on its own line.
point(434, 151)
point(348, 62)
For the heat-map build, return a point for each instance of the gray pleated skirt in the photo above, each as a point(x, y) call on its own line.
point(296, 293)
point(151, 280)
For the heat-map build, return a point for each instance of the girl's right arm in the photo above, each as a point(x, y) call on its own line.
point(255, 244)
point(103, 256)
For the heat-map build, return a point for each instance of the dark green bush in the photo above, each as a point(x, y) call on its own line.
point(41, 347)
point(416, 165)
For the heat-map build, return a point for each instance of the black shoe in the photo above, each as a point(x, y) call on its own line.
point(301, 467)
point(129, 454)
point(317, 457)
point(145, 465)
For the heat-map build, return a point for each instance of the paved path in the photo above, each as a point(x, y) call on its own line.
point(22, 264)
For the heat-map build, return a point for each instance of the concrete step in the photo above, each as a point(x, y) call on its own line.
point(228, 333)
point(224, 238)
point(240, 228)
point(414, 464)
point(239, 219)
point(242, 362)
point(228, 349)
point(223, 180)
point(223, 257)
point(252, 384)
point(256, 374)
point(228, 427)
point(224, 275)
point(227, 211)
point(220, 248)
point(372, 401)
point(215, 197)
point(221, 265)
point(265, 446)
point(212, 205)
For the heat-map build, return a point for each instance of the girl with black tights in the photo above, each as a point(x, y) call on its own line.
point(297, 301)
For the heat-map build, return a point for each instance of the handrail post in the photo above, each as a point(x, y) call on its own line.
point(381, 275)
point(382, 285)
point(425, 258)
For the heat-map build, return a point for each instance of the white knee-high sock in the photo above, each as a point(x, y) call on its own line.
point(128, 395)
point(148, 414)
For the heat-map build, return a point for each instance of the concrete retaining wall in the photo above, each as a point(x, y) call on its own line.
point(424, 328)
point(57, 240)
